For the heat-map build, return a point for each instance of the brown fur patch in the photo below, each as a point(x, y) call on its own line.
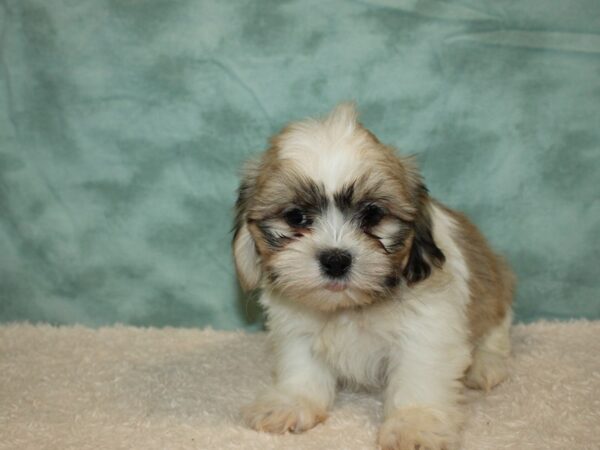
point(491, 282)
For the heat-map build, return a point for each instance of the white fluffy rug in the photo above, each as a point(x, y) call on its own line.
point(134, 388)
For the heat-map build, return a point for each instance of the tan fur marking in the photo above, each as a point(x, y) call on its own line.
point(491, 282)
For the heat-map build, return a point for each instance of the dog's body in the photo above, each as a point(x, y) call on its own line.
point(368, 281)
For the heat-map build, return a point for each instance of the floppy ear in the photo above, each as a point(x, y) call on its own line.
point(423, 251)
point(245, 254)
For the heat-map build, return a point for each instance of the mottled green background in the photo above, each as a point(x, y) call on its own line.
point(123, 124)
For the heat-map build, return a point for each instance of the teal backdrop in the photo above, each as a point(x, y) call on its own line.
point(123, 124)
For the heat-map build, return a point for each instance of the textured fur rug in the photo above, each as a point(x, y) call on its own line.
point(134, 388)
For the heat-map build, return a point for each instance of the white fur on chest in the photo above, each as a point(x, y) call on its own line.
point(355, 347)
point(358, 346)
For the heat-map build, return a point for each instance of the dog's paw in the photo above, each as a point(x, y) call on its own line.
point(277, 412)
point(419, 428)
point(488, 370)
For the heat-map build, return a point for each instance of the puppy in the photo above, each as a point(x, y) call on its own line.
point(367, 280)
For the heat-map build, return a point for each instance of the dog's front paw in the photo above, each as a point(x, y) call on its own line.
point(277, 412)
point(419, 428)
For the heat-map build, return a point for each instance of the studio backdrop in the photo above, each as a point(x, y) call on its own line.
point(123, 125)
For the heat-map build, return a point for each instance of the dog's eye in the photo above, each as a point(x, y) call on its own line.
point(296, 218)
point(371, 216)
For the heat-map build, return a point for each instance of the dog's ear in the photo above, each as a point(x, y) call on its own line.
point(245, 253)
point(423, 251)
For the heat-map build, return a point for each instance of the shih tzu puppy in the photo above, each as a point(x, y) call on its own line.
point(368, 281)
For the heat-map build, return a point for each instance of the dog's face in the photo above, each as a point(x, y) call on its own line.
point(330, 217)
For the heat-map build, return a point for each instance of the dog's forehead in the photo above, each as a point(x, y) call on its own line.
point(332, 161)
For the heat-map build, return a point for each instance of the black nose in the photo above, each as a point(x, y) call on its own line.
point(335, 263)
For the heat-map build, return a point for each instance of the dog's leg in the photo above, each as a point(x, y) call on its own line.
point(423, 395)
point(490, 358)
point(303, 391)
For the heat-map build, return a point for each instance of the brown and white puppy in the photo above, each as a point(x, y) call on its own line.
point(369, 281)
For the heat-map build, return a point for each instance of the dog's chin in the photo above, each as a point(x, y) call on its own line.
point(330, 296)
point(336, 286)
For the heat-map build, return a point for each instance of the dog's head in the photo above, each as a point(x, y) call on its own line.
point(331, 217)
